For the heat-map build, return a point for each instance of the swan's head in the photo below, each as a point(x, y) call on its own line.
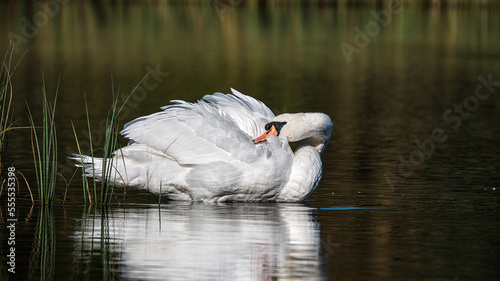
point(314, 128)
point(272, 128)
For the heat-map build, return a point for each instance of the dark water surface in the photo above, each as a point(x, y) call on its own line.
point(411, 176)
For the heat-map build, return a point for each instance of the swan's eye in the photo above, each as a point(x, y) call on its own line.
point(277, 126)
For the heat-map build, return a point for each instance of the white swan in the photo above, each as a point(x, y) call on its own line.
point(226, 147)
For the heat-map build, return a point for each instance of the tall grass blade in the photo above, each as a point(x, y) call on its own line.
point(94, 183)
point(85, 182)
point(45, 150)
point(5, 106)
point(110, 145)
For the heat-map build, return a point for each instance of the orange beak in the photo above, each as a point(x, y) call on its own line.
point(263, 137)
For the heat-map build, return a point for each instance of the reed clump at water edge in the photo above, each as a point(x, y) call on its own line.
point(5, 106)
point(7, 69)
point(44, 142)
point(110, 144)
point(44, 148)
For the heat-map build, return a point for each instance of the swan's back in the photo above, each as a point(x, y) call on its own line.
point(219, 127)
point(209, 144)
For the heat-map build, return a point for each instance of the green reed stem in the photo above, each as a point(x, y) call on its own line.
point(110, 145)
point(45, 150)
point(6, 72)
point(85, 182)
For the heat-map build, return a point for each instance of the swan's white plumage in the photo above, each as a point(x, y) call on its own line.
point(205, 151)
point(197, 133)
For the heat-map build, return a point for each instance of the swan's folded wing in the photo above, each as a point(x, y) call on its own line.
point(200, 133)
point(249, 114)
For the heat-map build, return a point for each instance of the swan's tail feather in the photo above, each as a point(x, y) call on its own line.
point(93, 167)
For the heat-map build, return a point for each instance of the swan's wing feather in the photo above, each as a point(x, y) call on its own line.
point(254, 105)
point(218, 128)
point(249, 114)
point(163, 131)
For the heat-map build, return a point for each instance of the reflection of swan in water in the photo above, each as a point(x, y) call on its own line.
point(210, 242)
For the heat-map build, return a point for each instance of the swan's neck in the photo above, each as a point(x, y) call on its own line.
point(305, 175)
point(318, 142)
point(313, 130)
